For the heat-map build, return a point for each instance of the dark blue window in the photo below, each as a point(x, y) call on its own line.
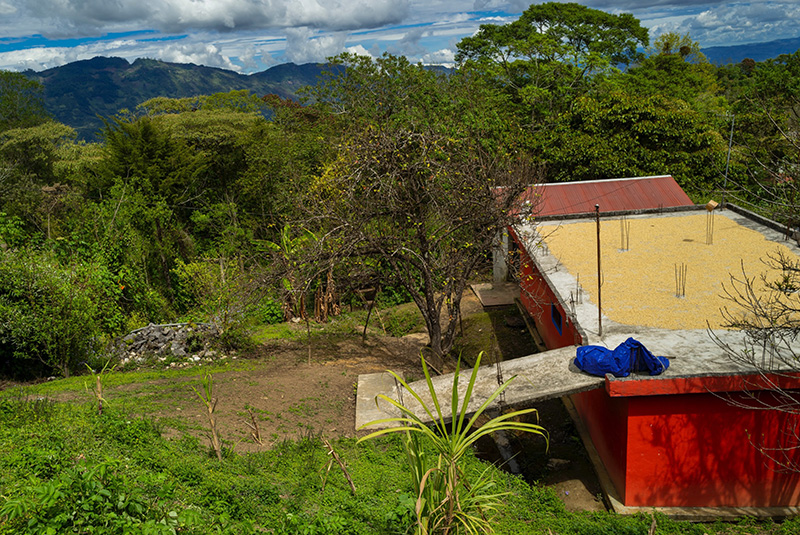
point(555, 314)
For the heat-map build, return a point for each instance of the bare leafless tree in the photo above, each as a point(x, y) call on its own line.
point(765, 308)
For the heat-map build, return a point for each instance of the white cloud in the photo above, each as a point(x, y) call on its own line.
point(78, 17)
point(304, 46)
point(455, 18)
point(735, 23)
point(41, 58)
point(183, 52)
point(359, 50)
point(7, 9)
point(444, 57)
point(198, 53)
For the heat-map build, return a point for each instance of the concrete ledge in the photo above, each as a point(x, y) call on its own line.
point(496, 294)
point(538, 377)
point(368, 409)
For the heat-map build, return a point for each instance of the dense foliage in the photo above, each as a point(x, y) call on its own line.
point(213, 207)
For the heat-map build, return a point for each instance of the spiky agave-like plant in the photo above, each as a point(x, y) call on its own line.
point(447, 502)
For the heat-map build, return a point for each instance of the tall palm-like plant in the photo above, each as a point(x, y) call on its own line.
point(447, 502)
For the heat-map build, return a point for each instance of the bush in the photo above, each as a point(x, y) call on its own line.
point(88, 499)
point(223, 294)
point(52, 317)
point(390, 296)
point(269, 312)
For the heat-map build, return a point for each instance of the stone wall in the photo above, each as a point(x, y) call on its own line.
point(189, 341)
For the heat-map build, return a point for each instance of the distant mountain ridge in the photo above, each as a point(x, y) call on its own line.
point(79, 94)
point(722, 55)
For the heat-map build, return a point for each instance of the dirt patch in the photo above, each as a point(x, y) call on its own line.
point(289, 397)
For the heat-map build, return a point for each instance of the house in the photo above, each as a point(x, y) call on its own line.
point(695, 436)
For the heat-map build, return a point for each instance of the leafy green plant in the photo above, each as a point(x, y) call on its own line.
point(447, 501)
point(269, 312)
point(52, 316)
point(390, 296)
point(93, 499)
point(302, 524)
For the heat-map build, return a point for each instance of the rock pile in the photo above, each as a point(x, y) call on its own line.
point(189, 341)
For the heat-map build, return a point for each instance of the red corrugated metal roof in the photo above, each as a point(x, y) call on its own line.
point(641, 193)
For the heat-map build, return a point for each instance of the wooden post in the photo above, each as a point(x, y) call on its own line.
point(599, 275)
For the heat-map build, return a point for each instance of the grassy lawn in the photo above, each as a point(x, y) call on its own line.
point(67, 469)
point(145, 465)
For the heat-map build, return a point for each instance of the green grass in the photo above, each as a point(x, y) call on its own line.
point(279, 331)
point(280, 489)
point(114, 379)
point(67, 468)
point(395, 321)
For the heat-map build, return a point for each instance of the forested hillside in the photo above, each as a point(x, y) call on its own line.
point(80, 94)
point(200, 207)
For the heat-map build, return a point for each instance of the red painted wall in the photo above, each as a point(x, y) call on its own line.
point(696, 449)
point(537, 297)
point(702, 450)
point(606, 419)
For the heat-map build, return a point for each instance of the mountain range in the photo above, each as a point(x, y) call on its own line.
point(723, 55)
point(82, 93)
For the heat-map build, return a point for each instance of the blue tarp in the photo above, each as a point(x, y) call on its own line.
point(629, 356)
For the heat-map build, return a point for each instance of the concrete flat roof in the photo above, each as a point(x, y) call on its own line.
point(688, 344)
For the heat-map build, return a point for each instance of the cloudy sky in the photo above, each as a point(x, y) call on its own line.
point(252, 35)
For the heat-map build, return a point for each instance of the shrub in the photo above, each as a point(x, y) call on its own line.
point(269, 312)
point(390, 296)
point(52, 317)
point(88, 499)
point(224, 293)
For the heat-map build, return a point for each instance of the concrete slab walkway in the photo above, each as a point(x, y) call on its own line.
point(497, 294)
point(538, 377)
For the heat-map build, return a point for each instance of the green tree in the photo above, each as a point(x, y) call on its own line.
point(21, 101)
point(765, 136)
point(149, 181)
point(30, 188)
point(552, 53)
point(675, 68)
point(675, 44)
point(619, 135)
point(53, 314)
point(425, 178)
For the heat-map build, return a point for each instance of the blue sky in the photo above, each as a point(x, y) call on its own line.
point(252, 35)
